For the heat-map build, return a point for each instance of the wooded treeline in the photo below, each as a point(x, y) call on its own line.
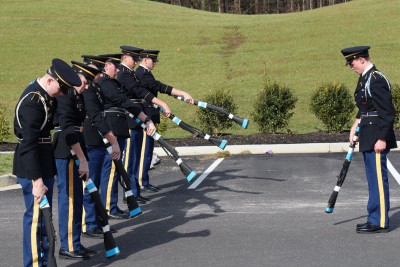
point(253, 6)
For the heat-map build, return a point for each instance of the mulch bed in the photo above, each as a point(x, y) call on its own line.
point(316, 137)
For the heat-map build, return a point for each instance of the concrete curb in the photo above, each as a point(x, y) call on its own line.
point(261, 149)
point(7, 180)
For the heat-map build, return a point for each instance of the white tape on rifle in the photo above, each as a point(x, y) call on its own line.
point(393, 171)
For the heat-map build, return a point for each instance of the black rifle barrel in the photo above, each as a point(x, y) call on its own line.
point(342, 175)
point(185, 169)
point(125, 181)
point(45, 211)
point(213, 139)
point(109, 242)
point(101, 212)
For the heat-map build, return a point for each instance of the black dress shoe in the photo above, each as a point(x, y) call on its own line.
point(147, 189)
point(370, 228)
point(112, 230)
point(118, 216)
point(85, 250)
point(362, 225)
point(142, 198)
point(93, 233)
point(75, 255)
point(119, 211)
point(154, 187)
point(140, 201)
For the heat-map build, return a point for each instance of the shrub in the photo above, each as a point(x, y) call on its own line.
point(273, 106)
point(4, 125)
point(162, 127)
point(333, 104)
point(212, 121)
point(396, 103)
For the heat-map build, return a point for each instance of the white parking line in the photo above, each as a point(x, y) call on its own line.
point(205, 174)
point(393, 171)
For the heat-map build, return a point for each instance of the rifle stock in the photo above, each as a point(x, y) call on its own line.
point(133, 206)
point(185, 169)
point(125, 181)
point(238, 120)
point(109, 242)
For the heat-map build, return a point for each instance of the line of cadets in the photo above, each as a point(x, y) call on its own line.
point(109, 90)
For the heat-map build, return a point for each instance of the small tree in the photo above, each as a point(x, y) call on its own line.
point(214, 122)
point(273, 106)
point(4, 125)
point(396, 103)
point(333, 104)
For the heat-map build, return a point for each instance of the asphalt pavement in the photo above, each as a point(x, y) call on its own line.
point(249, 210)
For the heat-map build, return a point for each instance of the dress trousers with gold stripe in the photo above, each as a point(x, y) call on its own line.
point(154, 86)
point(68, 120)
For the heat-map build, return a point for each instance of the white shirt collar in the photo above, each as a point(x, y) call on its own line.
point(38, 79)
point(367, 69)
point(145, 67)
point(126, 66)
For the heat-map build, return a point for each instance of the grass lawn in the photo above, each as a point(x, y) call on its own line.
point(6, 162)
point(201, 51)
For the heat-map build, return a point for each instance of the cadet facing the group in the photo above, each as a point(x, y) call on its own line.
point(375, 118)
point(34, 163)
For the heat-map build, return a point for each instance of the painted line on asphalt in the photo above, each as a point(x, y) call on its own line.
point(205, 174)
point(393, 171)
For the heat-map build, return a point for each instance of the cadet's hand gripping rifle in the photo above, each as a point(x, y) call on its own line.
point(343, 173)
point(185, 169)
point(45, 211)
point(238, 120)
point(109, 242)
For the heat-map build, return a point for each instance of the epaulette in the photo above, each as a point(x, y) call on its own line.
point(40, 98)
point(368, 83)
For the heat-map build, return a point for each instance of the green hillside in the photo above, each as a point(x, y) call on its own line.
point(201, 51)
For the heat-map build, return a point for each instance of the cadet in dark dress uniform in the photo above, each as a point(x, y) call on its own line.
point(375, 117)
point(149, 58)
point(34, 163)
point(92, 125)
point(68, 135)
point(116, 104)
point(130, 86)
point(96, 61)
